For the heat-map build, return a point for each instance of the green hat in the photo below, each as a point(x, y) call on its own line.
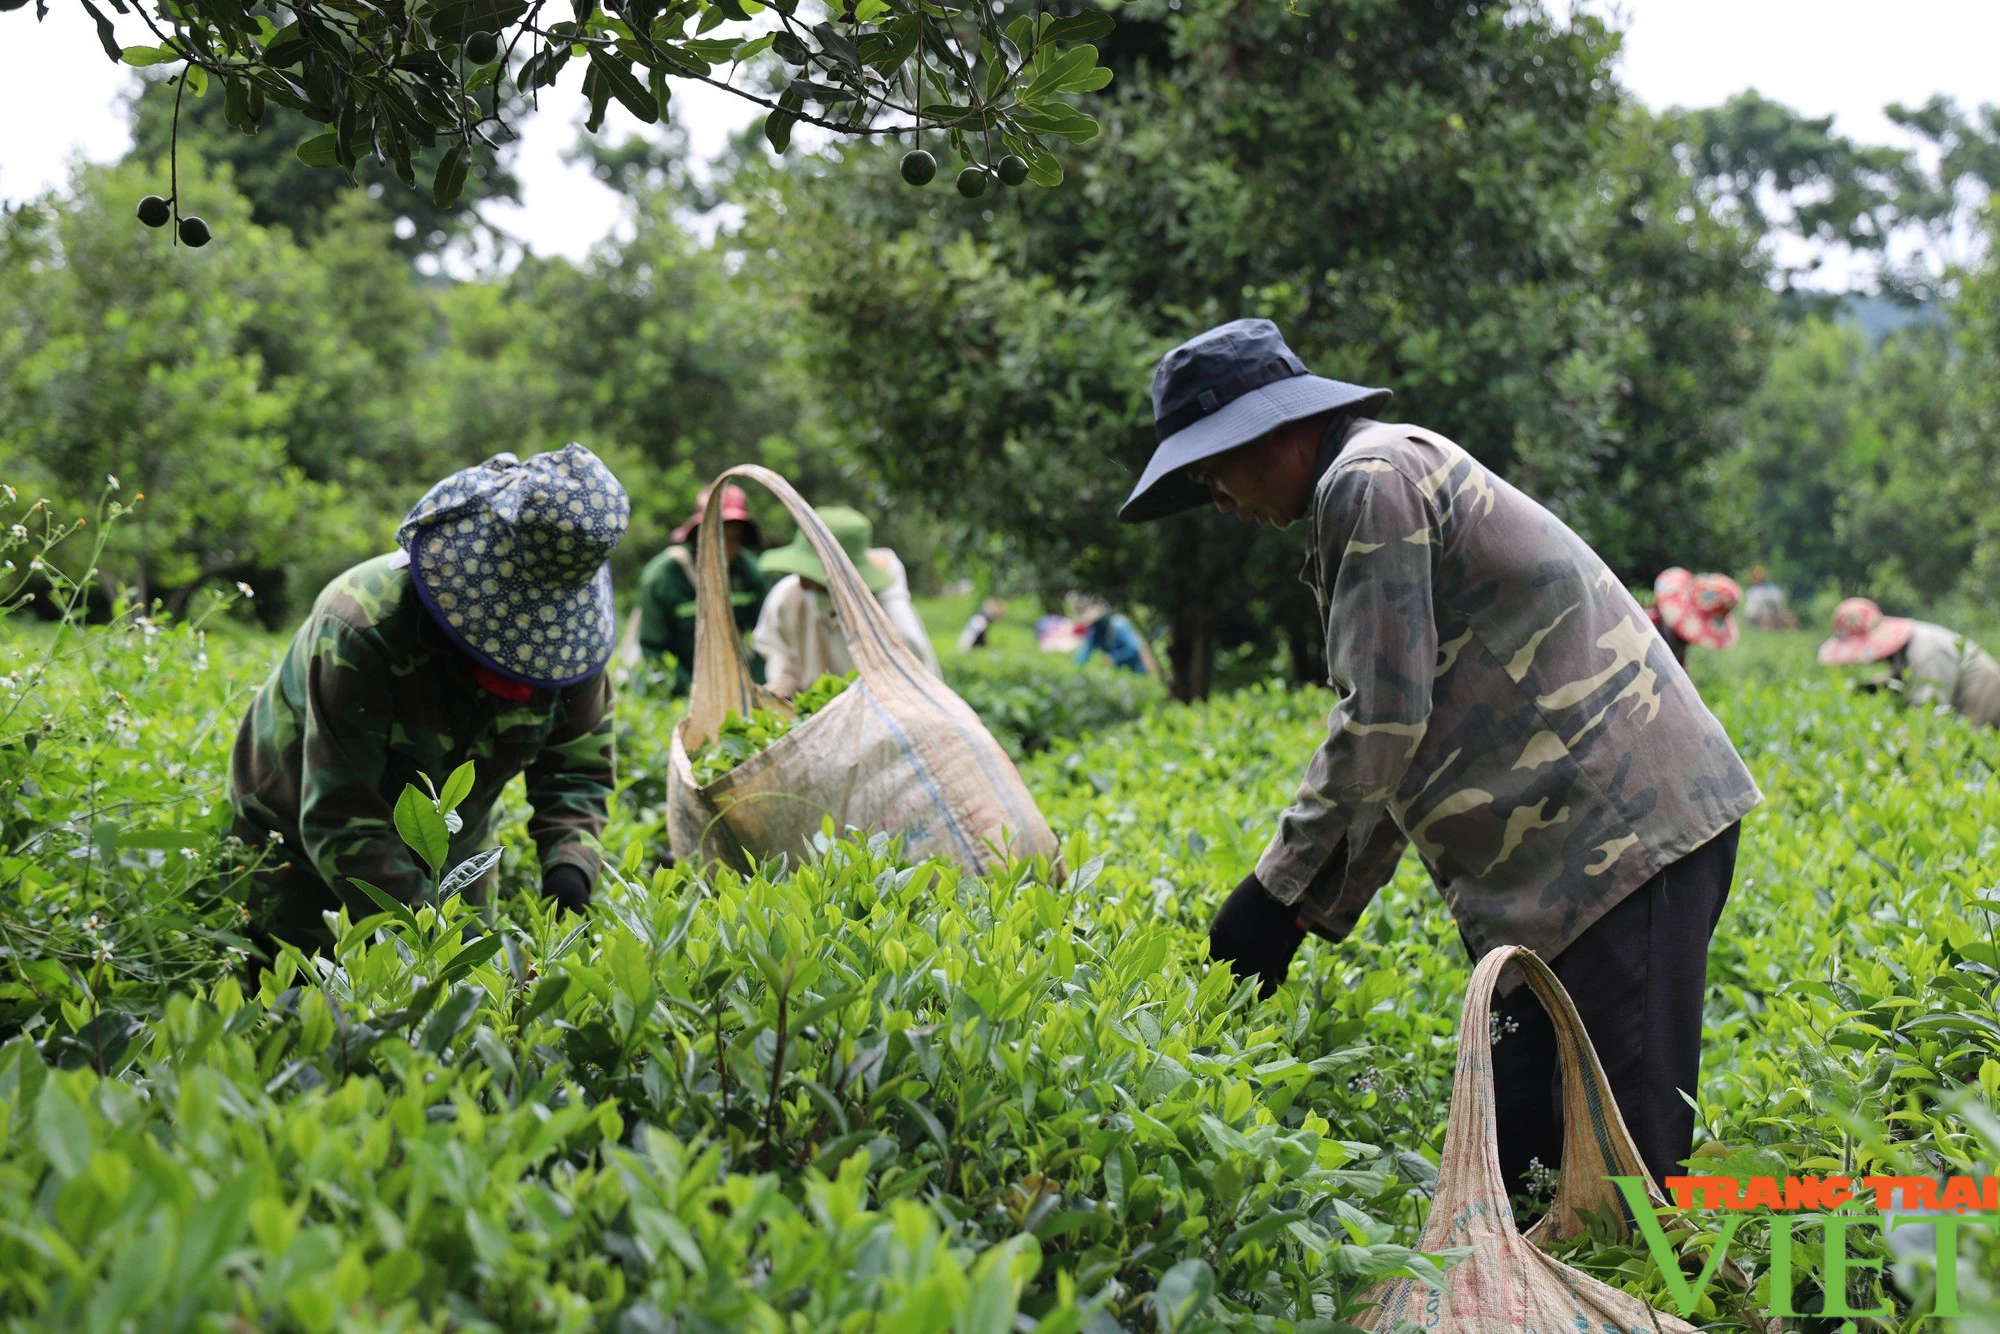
point(851, 529)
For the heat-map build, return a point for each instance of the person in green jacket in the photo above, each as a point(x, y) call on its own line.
point(483, 638)
point(666, 589)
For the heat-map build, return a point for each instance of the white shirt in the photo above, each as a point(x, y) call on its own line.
point(799, 636)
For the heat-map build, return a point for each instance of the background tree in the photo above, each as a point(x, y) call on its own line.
point(117, 360)
point(1461, 204)
point(440, 82)
point(1976, 420)
point(284, 191)
point(1866, 463)
point(1419, 203)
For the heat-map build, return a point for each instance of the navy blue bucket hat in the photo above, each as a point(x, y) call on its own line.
point(509, 558)
point(1222, 389)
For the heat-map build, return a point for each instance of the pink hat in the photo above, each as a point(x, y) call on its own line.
point(1861, 633)
point(735, 509)
point(1696, 606)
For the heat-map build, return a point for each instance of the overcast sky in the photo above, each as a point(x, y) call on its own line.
point(1845, 57)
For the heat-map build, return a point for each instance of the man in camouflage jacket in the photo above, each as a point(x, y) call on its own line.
point(1506, 710)
point(407, 668)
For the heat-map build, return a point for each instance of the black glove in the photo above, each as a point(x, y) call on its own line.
point(1254, 933)
point(568, 886)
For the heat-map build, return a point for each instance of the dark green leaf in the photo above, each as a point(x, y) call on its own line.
point(454, 21)
point(540, 69)
point(598, 94)
point(778, 129)
point(715, 50)
point(470, 957)
point(450, 1017)
point(319, 151)
point(444, 193)
point(287, 48)
point(105, 36)
point(399, 911)
point(546, 996)
point(833, 43)
point(1087, 82)
point(1085, 27)
point(617, 76)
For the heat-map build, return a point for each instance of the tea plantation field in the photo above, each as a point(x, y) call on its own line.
point(862, 1095)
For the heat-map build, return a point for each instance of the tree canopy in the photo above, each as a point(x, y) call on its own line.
point(1460, 206)
point(440, 83)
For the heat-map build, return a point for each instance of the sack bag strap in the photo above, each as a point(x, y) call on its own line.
point(1471, 1197)
point(721, 671)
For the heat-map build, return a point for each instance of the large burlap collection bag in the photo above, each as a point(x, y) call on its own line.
point(897, 751)
point(1508, 1283)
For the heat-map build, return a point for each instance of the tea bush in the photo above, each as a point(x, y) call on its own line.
point(1031, 699)
point(859, 1094)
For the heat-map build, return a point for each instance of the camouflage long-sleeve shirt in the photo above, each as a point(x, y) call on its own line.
point(1940, 666)
point(369, 695)
point(1505, 707)
point(666, 608)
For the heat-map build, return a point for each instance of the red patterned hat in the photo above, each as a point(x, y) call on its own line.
point(735, 509)
point(1696, 606)
point(1861, 633)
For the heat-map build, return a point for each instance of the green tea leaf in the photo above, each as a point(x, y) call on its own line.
point(422, 827)
point(382, 900)
point(470, 957)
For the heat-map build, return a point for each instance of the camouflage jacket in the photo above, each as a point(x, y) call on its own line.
point(666, 608)
point(1940, 666)
point(369, 695)
point(1505, 707)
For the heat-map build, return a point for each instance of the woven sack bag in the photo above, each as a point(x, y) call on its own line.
point(895, 752)
point(1508, 1283)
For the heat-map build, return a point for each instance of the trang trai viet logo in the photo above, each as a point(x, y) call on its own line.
point(1795, 1208)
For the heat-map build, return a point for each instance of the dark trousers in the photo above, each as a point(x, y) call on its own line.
point(1637, 976)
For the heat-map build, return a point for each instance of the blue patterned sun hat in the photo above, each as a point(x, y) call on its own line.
point(509, 557)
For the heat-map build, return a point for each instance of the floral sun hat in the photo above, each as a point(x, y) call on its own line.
point(1696, 606)
point(1861, 633)
point(509, 557)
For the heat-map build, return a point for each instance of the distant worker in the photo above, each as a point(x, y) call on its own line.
point(798, 632)
point(482, 638)
point(979, 624)
point(1694, 609)
point(1927, 664)
point(1057, 633)
point(666, 588)
point(1764, 603)
point(1503, 706)
point(1112, 634)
